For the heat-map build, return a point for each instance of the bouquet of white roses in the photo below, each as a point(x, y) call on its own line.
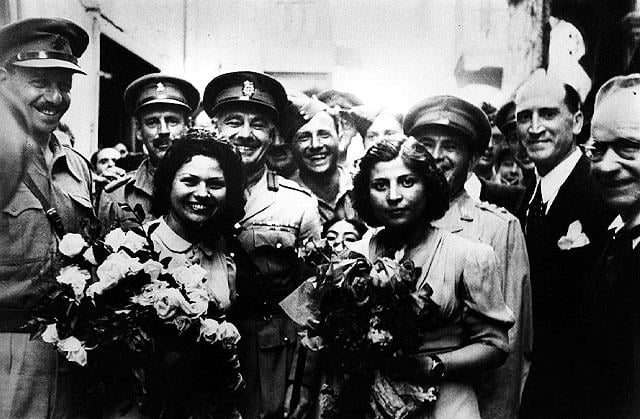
point(364, 315)
point(113, 300)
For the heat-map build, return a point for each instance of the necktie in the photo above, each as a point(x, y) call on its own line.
point(535, 216)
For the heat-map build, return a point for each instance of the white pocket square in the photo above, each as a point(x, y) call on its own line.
point(574, 238)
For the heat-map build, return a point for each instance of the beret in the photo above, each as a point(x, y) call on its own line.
point(298, 112)
point(505, 118)
point(450, 111)
point(244, 87)
point(160, 88)
point(43, 43)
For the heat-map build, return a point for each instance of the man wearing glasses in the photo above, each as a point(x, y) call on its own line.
point(565, 221)
point(611, 309)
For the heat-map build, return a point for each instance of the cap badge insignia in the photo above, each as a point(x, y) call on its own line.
point(58, 43)
point(160, 87)
point(248, 89)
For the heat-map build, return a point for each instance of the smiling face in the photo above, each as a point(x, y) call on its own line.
point(545, 124)
point(451, 152)
point(315, 145)
point(44, 94)
point(198, 193)
point(615, 130)
point(250, 129)
point(157, 126)
point(397, 195)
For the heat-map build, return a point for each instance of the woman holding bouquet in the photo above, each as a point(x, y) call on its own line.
point(399, 188)
point(198, 197)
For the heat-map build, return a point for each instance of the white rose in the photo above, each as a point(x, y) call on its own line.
point(114, 239)
point(199, 301)
point(148, 295)
point(191, 277)
point(71, 244)
point(228, 334)
point(153, 268)
point(209, 330)
point(76, 277)
point(90, 257)
point(134, 241)
point(50, 335)
point(74, 350)
point(112, 271)
point(168, 301)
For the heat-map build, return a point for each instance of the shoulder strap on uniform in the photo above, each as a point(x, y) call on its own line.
point(272, 181)
point(51, 212)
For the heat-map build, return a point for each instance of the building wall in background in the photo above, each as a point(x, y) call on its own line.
point(384, 51)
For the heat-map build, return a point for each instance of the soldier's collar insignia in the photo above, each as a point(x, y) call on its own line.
point(160, 87)
point(248, 89)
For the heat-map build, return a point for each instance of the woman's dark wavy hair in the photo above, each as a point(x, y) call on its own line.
point(418, 159)
point(200, 142)
point(360, 227)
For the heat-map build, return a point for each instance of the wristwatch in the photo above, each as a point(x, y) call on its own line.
point(438, 369)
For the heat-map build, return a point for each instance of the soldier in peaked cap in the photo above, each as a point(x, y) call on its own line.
point(245, 107)
point(161, 106)
point(448, 117)
point(37, 60)
point(455, 132)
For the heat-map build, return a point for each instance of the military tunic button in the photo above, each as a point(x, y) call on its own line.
point(278, 245)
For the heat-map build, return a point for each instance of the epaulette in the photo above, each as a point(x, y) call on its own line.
point(272, 181)
point(290, 184)
point(76, 152)
point(494, 209)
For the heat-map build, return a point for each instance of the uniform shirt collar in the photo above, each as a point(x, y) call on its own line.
point(553, 181)
point(473, 186)
point(144, 177)
point(60, 153)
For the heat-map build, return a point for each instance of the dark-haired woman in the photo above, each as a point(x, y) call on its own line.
point(198, 197)
point(399, 188)
point(340, 231)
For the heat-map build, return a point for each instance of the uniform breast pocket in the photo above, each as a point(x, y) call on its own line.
point(277, 236)
point(25, 233)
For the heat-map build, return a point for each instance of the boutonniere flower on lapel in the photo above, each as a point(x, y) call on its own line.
point(574, 238)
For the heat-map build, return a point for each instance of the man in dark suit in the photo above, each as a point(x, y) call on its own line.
point(611, 307)
point(565, 220)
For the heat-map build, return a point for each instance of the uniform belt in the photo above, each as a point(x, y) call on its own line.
point(14, 320)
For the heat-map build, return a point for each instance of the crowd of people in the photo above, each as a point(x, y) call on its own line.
point(527, 239)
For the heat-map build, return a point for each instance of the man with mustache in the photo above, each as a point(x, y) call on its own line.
point(456, 133)
point(38, 58)
point(161, 106)
point(610, 310)
point(565, 220)
point(279, 215)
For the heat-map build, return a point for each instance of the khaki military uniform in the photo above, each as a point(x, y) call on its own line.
point(33, 380)
point(500, 390)
point(138, 190)
point(279, 215)
point(343, 205)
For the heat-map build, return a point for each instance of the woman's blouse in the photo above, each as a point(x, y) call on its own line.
point(465, 279)
point(221, 269)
